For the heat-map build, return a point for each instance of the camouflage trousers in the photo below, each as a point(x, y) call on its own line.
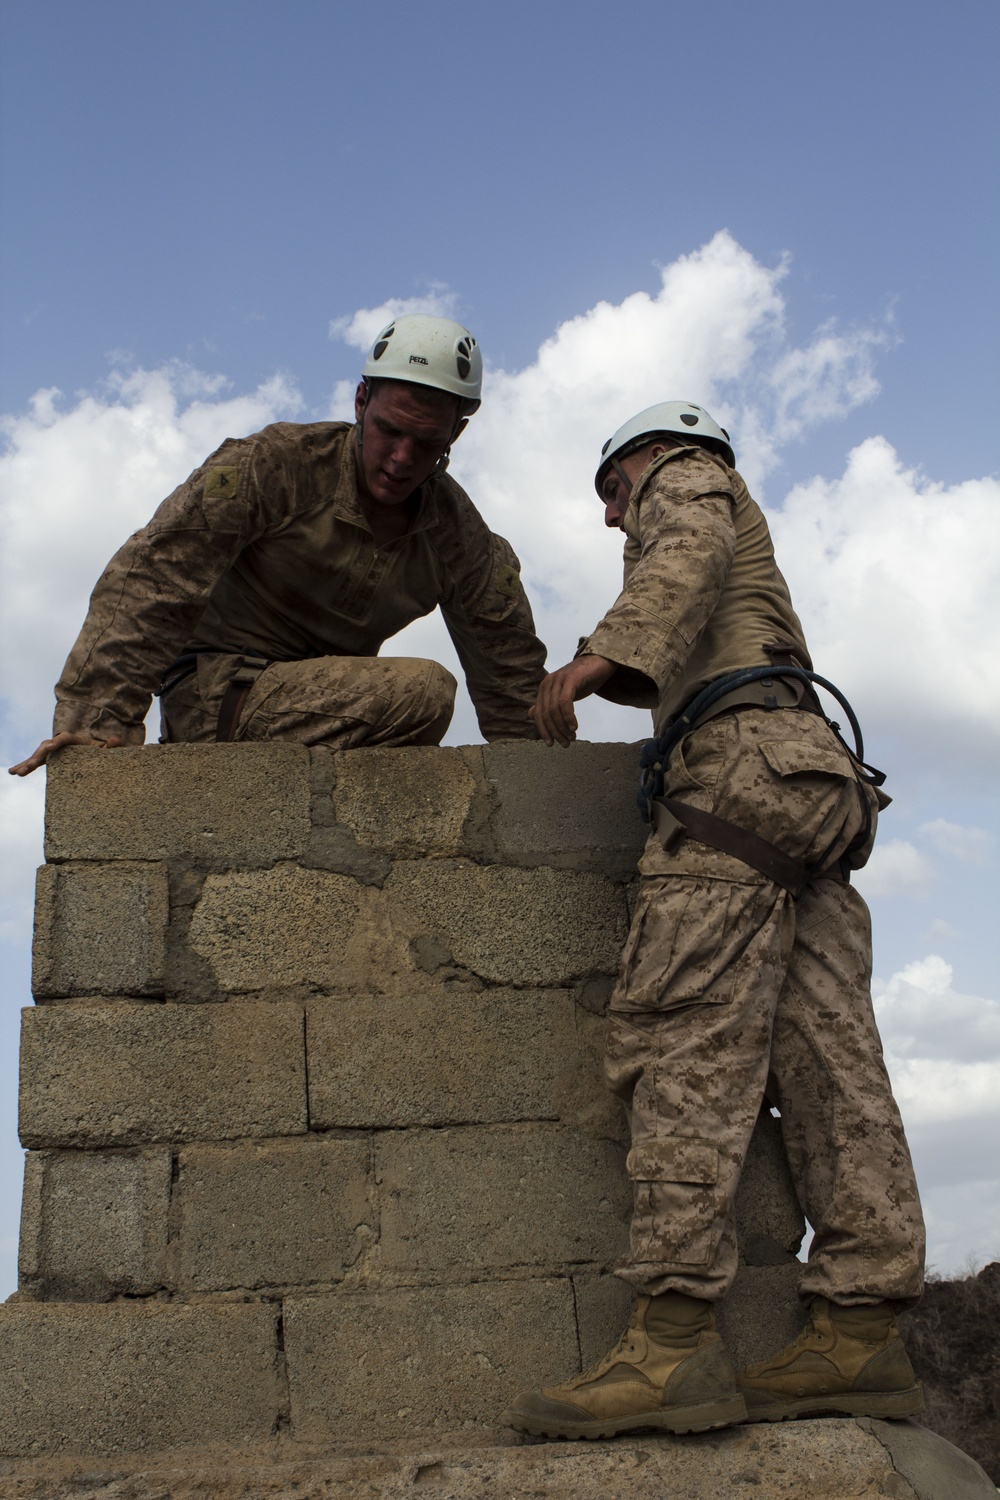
point(337, 701)
point(732, 991)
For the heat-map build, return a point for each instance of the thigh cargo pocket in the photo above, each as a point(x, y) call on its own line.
point(687, 936)
point(677, 1201)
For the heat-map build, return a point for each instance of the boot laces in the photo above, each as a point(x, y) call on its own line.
point(626, 1344)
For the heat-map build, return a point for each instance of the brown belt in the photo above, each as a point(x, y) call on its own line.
point(672, 819)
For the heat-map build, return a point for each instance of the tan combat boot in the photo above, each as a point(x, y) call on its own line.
point(847, 1361)
point(669, 1371)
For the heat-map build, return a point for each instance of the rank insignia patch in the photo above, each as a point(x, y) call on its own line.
point(221, 483)
point(508, 581)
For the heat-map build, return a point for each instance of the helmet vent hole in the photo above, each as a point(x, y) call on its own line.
point(380, 348)
point(464, 366)
point(688, 420)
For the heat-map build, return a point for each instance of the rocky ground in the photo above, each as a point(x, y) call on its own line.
point(953, 1338)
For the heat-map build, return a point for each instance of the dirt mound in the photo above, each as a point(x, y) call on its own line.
point(953, 1339)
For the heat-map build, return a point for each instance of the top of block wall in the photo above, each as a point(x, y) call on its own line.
point(249, 806)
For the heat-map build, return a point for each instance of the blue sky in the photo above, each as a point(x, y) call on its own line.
point(193, 193)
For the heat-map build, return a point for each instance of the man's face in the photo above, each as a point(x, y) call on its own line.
point(615, 493)
point(404, 434)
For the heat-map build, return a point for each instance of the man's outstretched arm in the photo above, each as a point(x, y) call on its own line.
point(552, 710)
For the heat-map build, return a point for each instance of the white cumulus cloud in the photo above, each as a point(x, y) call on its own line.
point(895, 868)
point(75, 481)
point(971, 845)
point(360, 329)
point(944, 1046)
point(942, 1050)
point(895, 577)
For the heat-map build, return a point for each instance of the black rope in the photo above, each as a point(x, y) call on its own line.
point(655, 753)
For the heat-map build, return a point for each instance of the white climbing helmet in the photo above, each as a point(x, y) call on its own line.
point(682, 418)
point(428, 351)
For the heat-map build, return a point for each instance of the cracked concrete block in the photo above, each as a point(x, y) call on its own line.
point(127, 1376)
point(274, 1213)
point(459, 1056)
point(94, 1224)
point(405, 802)
point(488, 1198)
point(570, 808)
point(769, 1222)
point(100, 929)
point(930, 1466)
point(218, 805)
point(291, 927)
point(124, 1075)
point(511, 926)
point(403, 1362)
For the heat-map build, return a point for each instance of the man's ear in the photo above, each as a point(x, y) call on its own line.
point(657, 451)
point(360, 400)
point(459, 429)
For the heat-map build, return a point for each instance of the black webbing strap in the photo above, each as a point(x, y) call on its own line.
point(672, 819)
point(235, 696)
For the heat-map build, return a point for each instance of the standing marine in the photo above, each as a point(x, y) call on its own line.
point(256, 600)
point(746, 974)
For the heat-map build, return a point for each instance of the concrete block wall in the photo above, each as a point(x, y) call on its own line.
point(319, 1148)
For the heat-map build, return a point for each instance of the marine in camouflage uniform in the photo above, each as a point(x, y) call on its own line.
point(287, 559)
point(265, 552)
point(732, 991)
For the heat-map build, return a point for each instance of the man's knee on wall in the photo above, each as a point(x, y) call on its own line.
point(434, 708)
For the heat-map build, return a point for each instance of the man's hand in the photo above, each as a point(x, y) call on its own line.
point(552, 710)
point(49, 747)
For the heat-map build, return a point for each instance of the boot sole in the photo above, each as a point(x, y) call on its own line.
point(891, 1405)
point(701, 1418)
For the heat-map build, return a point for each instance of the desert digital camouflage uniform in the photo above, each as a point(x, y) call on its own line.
point(730, 987)
point(265, 551)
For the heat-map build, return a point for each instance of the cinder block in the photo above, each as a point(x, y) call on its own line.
point(221, 806)
point(769, 1222)
point(79, 1379)
point(761, 1313)
point(570, 808)
point(406, 802)
point(291, 927)
point(457, 1056)
point(510, 926)
point(100, 929)
point(128, 1075)
point(490, 1198)
point(280, 1213)
point(403, 1362)
point(94, 1224)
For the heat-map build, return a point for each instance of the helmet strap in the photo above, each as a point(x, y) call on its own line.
point(626, 481)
